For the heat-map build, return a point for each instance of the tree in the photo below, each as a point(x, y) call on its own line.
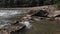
point(27, 3)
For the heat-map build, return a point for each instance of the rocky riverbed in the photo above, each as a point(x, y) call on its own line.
point(21, 22)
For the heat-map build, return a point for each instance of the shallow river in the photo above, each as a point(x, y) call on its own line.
point(8, 14)
point(42, 27)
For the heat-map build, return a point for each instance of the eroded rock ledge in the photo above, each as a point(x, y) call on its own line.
point(8, 29)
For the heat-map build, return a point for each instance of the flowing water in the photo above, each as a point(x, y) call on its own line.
point(11, 13)
point(42, 27)
point(7, 14)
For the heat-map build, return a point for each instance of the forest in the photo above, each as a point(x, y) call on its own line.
point(27, 3)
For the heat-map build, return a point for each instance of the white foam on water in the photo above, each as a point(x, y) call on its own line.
point(4, 23)
point(26, 23)
point(8, 13)
point(1, 26)
point(11, 13)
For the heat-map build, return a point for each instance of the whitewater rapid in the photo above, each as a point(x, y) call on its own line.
point(11, 13)
point(4, 23)
point(7, 14)
point(26, 23)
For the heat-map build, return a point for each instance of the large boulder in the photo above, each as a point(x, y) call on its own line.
point(41, 13)
point(54, 14)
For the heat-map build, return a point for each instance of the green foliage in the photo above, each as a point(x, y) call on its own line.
point(57, 3)
point(27, 3)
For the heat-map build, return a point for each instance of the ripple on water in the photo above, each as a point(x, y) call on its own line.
point(10, 13)
point(5, 14)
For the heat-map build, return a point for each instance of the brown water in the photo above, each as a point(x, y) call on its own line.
point(45, 27)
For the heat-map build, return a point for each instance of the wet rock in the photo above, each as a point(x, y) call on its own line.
point(17, 22)
point(57, 18)
point(18, 31)
point(54, 13)
point(9, 28)
point(41, 13)
point(57, 15)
